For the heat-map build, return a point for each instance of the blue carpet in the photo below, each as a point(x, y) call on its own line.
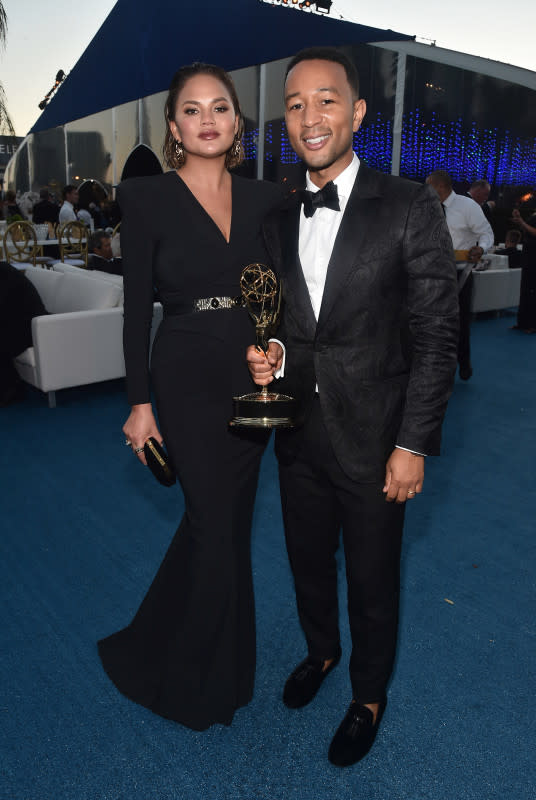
point(84, 529)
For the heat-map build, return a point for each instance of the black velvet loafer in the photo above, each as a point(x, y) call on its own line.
point(303, 684)
point(355, 735)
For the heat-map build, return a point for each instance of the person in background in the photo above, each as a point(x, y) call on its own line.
point(11, 207)
point(510, 249)
point(45, 210)
point(101, 256)
point(472, 236)
point(70, 199)
point(19, 304)
point(84, 215)
point(526, 312)
point(479, 191)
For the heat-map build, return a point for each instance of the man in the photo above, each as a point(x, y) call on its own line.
point(45, 210)
point(70, 199)
point(472, 234)
point(479, 192)
point(101, 256)
point(370, 328)
point(19, 304)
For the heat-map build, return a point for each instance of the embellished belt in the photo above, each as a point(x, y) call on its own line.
point(203, 304)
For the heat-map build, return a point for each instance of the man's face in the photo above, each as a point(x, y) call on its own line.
point(321, 117)
point(442, 190)
point(480, 194)
point(105, 249)
point(72, 197)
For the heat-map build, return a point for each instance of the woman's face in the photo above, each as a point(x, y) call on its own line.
point(205, 120)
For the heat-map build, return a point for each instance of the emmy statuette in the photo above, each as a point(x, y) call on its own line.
point(262, 298)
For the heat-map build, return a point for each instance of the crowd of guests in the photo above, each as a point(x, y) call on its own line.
point(472, 224)
point(93, 213)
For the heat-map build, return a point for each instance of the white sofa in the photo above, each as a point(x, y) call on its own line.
point(495, 289)
point(60, 266)
point(80, 340)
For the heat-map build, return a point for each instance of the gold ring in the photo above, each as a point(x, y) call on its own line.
point(138, 450)
point(128, 442)
point(410, 492)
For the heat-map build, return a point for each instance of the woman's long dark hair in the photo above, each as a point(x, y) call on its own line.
point(179, 80)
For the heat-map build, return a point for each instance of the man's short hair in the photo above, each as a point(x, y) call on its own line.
point(67, 190)
point(480, 184)
point(328, 54)
point(95, 240)
point(440, 176)
point(44, 194)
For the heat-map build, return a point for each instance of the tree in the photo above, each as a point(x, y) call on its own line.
point(6, 126)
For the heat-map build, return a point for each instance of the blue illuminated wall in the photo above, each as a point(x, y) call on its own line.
point(468, 124)
point(466, 152)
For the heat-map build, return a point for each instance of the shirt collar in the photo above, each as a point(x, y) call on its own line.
point(449, 200)
point(344, 181)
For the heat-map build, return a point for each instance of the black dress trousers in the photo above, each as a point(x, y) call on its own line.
point(318, 501)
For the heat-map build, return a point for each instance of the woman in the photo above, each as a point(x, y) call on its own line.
point(526, 313)
point(189, 653)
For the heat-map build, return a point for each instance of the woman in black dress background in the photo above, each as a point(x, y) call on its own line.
point(526, 313)
point(189, 652)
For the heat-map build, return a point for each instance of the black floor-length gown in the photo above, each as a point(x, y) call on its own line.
point(189, 652)
point(526, 313)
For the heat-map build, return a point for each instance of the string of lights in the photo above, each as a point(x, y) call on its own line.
point(466, 152)
point(316, 6)
point(60, 77)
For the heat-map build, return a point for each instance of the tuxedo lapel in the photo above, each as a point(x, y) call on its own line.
point(351, 238)
point(296, 291)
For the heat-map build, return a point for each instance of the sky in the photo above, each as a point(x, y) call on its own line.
point(42, 39)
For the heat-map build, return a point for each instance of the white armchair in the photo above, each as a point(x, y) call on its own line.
point(80, 340)
point(495, 289)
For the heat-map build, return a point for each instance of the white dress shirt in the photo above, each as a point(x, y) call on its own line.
point(318, 234)
point(67, 213)
point(467, 224)
point(316, 239)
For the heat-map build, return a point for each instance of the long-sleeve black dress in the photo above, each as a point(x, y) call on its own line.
point(189, 652)
point(526, 313)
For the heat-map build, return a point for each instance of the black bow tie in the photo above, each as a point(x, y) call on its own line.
point(328, 197)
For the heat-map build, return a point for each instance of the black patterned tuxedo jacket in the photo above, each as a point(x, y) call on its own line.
point(383, 351)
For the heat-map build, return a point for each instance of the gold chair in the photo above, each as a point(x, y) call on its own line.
point(20, 246)
point(73, 243)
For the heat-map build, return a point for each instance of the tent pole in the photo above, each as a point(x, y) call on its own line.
point(262, 119)
point(399, 111)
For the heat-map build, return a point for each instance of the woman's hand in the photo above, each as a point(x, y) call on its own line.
point(140, 425)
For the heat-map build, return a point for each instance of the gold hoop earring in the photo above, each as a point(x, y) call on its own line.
point(179, 153)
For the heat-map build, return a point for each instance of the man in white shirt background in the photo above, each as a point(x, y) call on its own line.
point(472, 235)
point(479, 191)
point(70, 199)
point(370, 331)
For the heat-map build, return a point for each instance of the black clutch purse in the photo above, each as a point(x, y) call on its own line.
point(158, 462)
